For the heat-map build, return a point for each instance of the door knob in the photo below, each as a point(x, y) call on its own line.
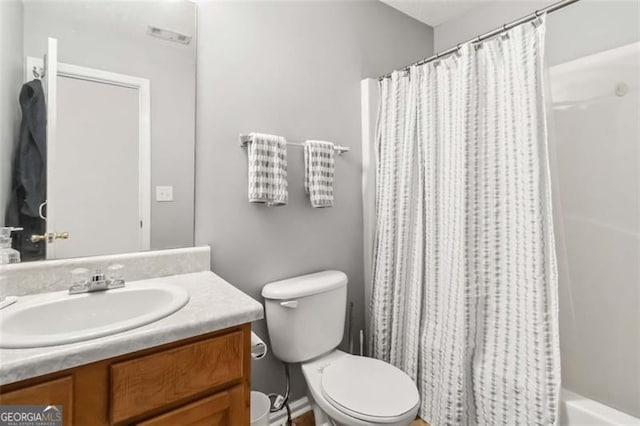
point(36, 238)
point(49, 237)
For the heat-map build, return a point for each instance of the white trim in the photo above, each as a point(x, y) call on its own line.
point(369, 110)
point(144, 163)
point(297, 407)
point(144, 132)
point(51, 96)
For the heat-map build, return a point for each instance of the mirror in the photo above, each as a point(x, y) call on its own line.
point(97, 126)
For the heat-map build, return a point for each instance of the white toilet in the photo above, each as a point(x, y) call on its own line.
point(305, 318)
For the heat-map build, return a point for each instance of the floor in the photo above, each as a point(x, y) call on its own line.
point(307, 420)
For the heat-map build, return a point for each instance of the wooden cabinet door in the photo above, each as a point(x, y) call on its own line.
point(151, 382)
point(225, 408)
point(53, 392)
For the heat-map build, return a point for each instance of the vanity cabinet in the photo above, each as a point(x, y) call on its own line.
point(201, 380)
point(50, 392)
point(219, 409)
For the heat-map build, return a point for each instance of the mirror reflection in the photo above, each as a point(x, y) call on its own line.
point(97, 127)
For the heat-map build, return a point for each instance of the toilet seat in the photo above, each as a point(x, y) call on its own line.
point(368, 389)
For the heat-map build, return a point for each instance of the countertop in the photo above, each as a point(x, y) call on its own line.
point(214, 304)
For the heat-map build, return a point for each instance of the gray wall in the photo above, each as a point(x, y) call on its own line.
point(294, 69)
point(591, 363)
point(112, 36)
point(11, 77)
point(580, 29)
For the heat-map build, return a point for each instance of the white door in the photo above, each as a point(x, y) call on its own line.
point(98, 161)
point(96, 169)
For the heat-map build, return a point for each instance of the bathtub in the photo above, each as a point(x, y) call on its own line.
point(577, 410)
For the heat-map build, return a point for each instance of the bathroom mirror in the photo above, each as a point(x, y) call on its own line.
point(97, 126)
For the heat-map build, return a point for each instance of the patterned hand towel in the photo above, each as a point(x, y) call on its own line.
point(268, 169)
point(318, 172)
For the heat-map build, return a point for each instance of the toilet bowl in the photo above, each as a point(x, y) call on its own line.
point(351, 390)
point(305, 319)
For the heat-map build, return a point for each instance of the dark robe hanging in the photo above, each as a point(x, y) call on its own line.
point(29, 187)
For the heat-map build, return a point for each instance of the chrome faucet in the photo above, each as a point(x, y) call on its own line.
point(98, 282)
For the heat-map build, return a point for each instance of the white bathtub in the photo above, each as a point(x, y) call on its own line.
point(576, 410)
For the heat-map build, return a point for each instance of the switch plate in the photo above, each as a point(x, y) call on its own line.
point(164, 193)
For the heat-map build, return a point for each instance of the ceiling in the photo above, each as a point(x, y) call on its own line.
point(434, 12)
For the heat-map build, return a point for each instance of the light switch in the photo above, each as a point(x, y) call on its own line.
point(164, 193)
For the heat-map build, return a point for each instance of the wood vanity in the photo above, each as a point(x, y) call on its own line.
point(199, 380)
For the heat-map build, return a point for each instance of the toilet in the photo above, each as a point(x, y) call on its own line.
point(305, 319)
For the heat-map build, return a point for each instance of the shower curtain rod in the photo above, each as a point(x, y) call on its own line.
point(551, 8)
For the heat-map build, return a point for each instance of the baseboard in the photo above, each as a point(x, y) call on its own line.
point(298, 408)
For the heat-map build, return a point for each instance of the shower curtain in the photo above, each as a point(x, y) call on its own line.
point(464, 295)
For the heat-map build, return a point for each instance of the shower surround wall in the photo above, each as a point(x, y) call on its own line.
point(294, 69)
point(597, 182)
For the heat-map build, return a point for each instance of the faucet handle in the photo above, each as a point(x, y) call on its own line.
point(80, 278)
point(114, 276)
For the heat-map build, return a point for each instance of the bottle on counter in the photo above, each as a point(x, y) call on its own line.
point(8, 254)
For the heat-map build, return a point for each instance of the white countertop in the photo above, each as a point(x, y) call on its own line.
point(214, 304)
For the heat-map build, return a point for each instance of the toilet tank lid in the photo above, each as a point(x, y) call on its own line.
point(305, 285)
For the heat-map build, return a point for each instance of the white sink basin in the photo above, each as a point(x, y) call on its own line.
point(59, 318)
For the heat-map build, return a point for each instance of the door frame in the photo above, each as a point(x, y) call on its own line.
point(142, 85)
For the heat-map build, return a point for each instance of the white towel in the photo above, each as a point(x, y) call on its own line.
point(318, 172)
point(268, 169)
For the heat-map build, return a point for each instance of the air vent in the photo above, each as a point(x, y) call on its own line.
point(168, 35)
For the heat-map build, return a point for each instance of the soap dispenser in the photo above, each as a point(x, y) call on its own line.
point(7, 254)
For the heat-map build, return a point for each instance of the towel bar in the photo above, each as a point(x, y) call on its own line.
point(245, 139)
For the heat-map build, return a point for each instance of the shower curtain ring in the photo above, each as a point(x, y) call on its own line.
point(505, 32)
point(478, 43)
point(537, 20)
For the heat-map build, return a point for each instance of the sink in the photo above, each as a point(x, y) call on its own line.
point(59, 318)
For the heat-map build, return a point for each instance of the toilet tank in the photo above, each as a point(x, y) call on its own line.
point(305, 314)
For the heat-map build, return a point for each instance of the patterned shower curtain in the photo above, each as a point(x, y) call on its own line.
point(464, 296)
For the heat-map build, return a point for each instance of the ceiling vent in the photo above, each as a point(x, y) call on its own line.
point(168, 35)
